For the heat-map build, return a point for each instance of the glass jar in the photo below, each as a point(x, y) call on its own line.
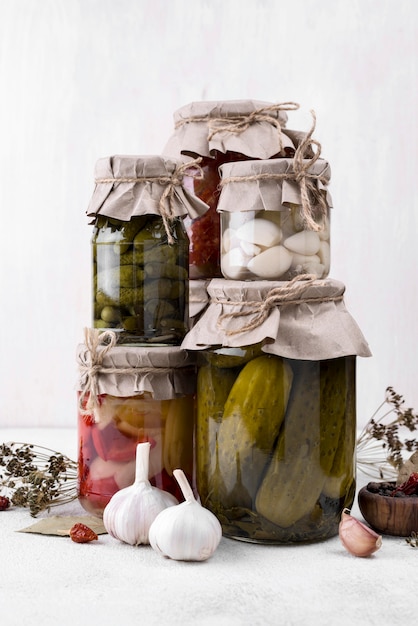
point(151, 399)
point(140, 248)
point(275, 444)
point(268, 232)
point(140, 281)
point(221, 132)
point(276, 403)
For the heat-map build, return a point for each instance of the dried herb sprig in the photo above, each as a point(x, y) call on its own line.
point(412, 540)
point(381, 444)
point(36, 477)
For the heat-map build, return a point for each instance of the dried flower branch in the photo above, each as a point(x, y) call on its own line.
point(382, 441)
point(36, 477)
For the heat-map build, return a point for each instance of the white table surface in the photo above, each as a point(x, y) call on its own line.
point(52, 581)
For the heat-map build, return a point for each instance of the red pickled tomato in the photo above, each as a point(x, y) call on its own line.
point(111, 445)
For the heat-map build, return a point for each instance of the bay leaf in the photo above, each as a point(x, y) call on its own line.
point(60, 525)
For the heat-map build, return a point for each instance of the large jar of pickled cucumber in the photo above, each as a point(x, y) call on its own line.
point(129, 395)
point(221, 132)
point(140, 248)
point(275, 219)
point(276, 408)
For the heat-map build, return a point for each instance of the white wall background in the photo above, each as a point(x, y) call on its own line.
point(83, 79)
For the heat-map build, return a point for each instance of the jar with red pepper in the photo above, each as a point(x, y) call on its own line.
point(223, 132)
point(129, 395)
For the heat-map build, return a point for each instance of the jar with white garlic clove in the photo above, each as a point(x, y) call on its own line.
point(130, 395)
point(275, 219)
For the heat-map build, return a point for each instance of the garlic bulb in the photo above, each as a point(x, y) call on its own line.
point(187, 532)
point(356, 537)
point(131, 511)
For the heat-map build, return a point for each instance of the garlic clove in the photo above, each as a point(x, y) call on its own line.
point(356, 537)
point(131, 511)
point(187, 532)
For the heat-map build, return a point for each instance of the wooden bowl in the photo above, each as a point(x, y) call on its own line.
point(388, 515)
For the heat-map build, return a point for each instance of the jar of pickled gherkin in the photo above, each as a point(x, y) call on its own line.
point(276, 408)
point(270, 228)
point(140, 248)
point(129, 395)
point(220, 132)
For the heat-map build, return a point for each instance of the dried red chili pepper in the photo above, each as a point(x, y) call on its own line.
point(409, 487)
point(4, 503)
point(80, 533)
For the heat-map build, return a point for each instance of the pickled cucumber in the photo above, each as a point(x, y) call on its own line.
point(213, 387)
point(307, 445)
point(252, 417)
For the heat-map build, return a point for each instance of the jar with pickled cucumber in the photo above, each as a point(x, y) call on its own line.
point(270, 230)
point(140, 249)
point(136, 394)
point(221, 132)
point(276, 408)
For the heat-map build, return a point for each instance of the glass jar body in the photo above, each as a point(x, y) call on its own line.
point(273, 245)
point(204, 232)
point(108, 440)
point(140, 281)
point(275, 444)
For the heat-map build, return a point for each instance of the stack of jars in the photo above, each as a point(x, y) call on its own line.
point(276, 388)
point(217, 334)
point(136, 383)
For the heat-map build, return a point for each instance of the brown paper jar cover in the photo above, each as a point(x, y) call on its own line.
point(127, 396)
point(197, 127)
point(301, 319)
point(129, 186)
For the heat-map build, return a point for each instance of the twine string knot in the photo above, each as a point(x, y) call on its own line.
point(284, 295)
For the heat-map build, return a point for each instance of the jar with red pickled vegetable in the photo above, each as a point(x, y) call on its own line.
point(128, 395)
point(221, 132)
point(140, 248)
point(276, 407)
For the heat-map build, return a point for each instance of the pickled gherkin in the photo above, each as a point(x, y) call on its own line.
point(140, 281)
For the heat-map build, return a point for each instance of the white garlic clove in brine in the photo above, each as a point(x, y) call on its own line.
point(305, 242)
point(261, 232)
point(271, 263)
point(188, 531)
point(234, 264)
point(324, 254)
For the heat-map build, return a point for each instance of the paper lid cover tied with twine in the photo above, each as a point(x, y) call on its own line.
point(302, 319)
point(276, 184)
point(124, 371)
point(253, 128)
point(129, 186)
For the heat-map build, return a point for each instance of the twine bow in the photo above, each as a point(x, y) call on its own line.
point(166, 203)
point(285, 295)
point(98, 344)
point(311, 195)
